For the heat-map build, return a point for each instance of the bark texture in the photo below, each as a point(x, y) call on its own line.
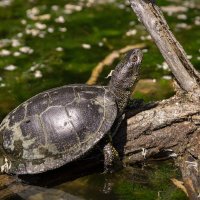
point(171, 128)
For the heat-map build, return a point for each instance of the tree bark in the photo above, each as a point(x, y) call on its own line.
point(170, 128)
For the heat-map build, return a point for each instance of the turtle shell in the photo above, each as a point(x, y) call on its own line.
point(56, 127)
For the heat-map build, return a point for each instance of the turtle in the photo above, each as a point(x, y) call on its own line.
point(61, 125)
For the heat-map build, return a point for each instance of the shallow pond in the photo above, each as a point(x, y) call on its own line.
point(45, 44)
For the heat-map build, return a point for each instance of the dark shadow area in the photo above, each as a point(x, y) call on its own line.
point(82, 167)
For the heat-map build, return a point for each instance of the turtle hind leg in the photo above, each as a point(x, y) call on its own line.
point(112, 161)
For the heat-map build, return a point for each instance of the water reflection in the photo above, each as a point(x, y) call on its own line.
point(128, 184)
point(29, 192)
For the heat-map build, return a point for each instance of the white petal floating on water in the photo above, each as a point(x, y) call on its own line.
point(73, 7)
point(4, 42)
point(42, 34)
point(86, 46)
point(31, 13)
point(33, 32)
point(70, 8)
point(2, 85)
point(182, 16)
point(121, 6)
point(166, 77)
point(132, 23)
point(59, 49)
point(62, 29)
point(183, 26)
point(42, 17)
point(26, 49)
point(5, 52)
point(60, 19)
point(173, 9)
point(34, 67)
point(100, 44)
point(131, 32)
point(190, 4)
point(5, 3)
point(55, 7)
point(38, 74)
point(148, 37)
point(16, 54)
point(15, 43)
point(10, 67)
point(50, 30)
point(23, 21)
point(40, 26)
point(19, 35)
point(189, 57)
point(197, 21)
point(163, 66)
point(145, 50)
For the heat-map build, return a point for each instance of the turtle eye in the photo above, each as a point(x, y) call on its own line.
point(134, 58)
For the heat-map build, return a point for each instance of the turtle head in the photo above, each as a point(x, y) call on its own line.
point(125, 76)
point(126, 73)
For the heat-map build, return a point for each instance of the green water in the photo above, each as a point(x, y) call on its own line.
point(43, 46)
point(134, 183)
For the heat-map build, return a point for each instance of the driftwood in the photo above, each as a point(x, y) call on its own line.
point(170, 127)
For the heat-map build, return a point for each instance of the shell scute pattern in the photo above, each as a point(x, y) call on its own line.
point(7, 138)
point(84, 93)
point(37, 104)
point(32, 129)
point(61, 96)
point(59, 126)
point(17, 115)
point(85, 118)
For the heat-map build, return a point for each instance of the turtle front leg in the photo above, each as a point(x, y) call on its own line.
point(112, 161)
